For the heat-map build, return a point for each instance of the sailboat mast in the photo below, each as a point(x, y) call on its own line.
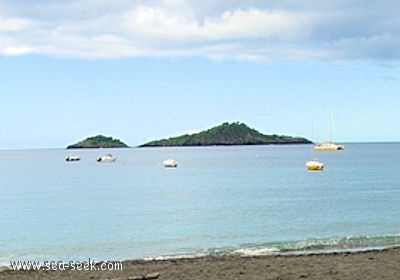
point(312, 129)
point(330, 127)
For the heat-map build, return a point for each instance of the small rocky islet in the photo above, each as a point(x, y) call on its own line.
point(98, 141)
point(227, 134)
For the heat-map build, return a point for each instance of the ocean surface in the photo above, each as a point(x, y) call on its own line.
point(243, 199)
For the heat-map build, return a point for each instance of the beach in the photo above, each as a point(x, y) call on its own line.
point(371, 264)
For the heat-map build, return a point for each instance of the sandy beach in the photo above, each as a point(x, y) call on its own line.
point(373, 264)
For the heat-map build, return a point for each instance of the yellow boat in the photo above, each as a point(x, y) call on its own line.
point(314, 165)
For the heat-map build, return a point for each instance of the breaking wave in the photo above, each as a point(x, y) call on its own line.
point(308, 246)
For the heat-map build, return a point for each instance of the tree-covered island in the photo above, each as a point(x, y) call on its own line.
point(235, 133)
point(98, 141)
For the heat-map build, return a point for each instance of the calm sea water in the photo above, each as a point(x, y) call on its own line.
point(247, 199)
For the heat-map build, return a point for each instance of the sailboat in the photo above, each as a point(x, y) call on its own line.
point(328, 145)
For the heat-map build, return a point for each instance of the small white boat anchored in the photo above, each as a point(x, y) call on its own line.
point(328, 146)
point(106, 158)
point(314, 165)
point(170, 163)
point(73, 158)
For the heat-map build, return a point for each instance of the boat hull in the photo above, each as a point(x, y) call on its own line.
point(106, 158)
point(73, 158)
point(314, 165)
point(170, 163)
point(328, 147)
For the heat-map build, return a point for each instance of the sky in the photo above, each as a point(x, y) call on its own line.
point(142, 70)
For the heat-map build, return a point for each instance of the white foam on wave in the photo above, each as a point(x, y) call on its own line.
point(257, 252)
point(177, 256)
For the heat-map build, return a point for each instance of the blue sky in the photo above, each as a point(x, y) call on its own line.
point(143, 70)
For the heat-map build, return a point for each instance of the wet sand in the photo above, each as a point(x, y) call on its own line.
point(374, 264)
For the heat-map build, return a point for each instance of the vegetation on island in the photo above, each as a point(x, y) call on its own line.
point(98, 141)
point(235, 133)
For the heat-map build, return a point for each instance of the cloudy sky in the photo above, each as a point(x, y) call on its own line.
point(139, 70)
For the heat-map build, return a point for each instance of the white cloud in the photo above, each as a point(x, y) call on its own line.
point(17, 50)
point(14, 24)
point(256, 30)
point(254, 23)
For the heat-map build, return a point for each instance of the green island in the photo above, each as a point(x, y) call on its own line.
point(98, 141)
point(235, 133)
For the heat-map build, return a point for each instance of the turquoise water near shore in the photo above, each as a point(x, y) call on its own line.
point(243, 199)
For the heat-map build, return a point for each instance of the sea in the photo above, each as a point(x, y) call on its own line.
point(247, 200)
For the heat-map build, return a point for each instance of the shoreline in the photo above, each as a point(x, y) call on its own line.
point(367, 264)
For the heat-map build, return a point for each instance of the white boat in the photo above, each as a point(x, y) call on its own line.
point(170, 163)
point(73, 158)
point(328, 146)
point(106, 158)
point(314, 165)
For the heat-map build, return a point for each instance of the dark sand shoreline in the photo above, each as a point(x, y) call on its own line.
point(371, 264)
